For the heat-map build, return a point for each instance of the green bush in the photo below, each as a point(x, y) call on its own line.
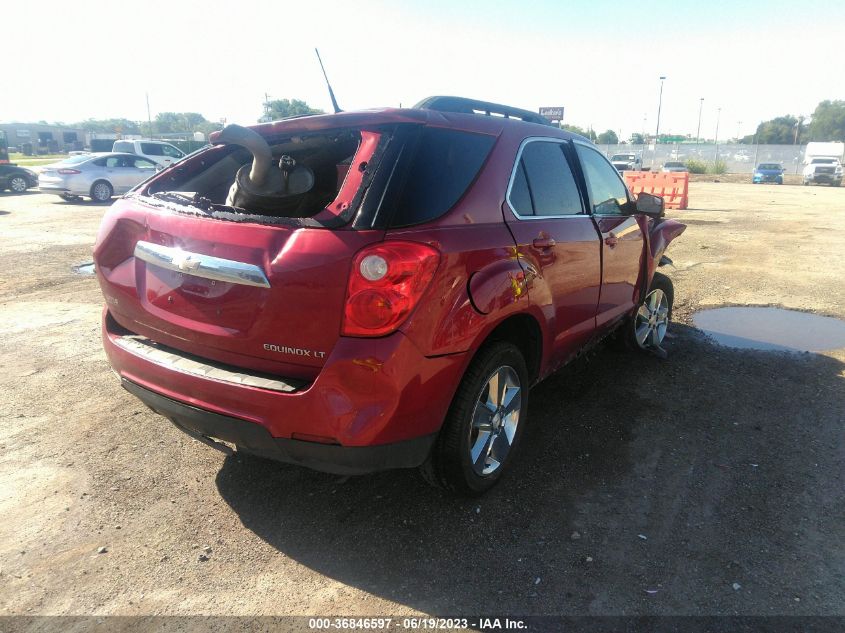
point(696, 166)
point(717, 167)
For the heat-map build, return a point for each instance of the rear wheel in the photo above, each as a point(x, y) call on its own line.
point(101, 191)
point(18, 184)
point(484, 423)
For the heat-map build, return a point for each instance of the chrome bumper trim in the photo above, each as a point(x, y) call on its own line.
point(199, 265)
point(147, 349)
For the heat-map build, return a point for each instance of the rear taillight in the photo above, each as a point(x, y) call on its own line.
point(69, 171)
point(386, 283)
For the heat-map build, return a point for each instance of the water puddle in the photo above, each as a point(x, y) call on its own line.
point(772, 329)
point(84, 269)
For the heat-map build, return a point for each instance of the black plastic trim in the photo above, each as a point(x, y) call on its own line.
point(256, 439)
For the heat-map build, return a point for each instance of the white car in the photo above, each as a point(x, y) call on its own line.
point(97, 176)
point(159, 152)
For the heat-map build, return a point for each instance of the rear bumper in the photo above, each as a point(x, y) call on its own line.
point(374, 394)
point(256, 439)
point(70, 185)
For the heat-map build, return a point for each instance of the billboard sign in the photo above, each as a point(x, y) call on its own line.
point(552, 114)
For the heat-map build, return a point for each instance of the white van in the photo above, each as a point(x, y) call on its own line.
point(159, 152)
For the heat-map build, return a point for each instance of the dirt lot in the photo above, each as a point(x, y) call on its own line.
point(709, 483)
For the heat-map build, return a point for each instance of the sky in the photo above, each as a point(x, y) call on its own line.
point(599, 59)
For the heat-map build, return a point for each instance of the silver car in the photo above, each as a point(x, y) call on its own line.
point(98, 176)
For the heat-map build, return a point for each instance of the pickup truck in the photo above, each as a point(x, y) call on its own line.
point(823, 169)
point(626, 162)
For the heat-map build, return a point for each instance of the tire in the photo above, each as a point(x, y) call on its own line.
point(101, 191)
point(18, 184)
point(475, 445)
point(647, 328)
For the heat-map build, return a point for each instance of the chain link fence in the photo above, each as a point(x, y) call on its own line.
point(739, 159)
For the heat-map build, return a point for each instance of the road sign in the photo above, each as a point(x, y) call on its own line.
point(552, 114)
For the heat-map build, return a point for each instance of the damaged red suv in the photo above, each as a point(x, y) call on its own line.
point(371, 290)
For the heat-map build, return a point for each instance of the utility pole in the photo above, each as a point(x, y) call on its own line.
point(738, 125)
point(657, 130)
point(718, 116)
point(149, 118)
point(698, 130)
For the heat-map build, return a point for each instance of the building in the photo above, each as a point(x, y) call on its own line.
point(39, 138)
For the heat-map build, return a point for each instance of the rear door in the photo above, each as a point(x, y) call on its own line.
point(122, 173)
point(622, 239)
point(143, 168)
point(557, 242)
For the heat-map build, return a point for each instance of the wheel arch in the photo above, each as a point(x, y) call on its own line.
point(523, 331)
point(96, 182)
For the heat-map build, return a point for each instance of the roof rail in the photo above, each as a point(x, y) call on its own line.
point(474, 106)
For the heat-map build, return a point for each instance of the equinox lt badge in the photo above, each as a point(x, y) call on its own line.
point(295, 351)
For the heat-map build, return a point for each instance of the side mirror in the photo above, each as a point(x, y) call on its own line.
point(650, 205)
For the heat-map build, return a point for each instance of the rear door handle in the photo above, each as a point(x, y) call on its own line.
point(543, 242)
point(611, 240)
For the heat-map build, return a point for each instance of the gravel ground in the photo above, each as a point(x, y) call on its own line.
point(710, 483)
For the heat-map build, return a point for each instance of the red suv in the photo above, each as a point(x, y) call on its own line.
point(372, 290)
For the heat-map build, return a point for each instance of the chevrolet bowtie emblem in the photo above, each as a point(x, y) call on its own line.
point(183, 261)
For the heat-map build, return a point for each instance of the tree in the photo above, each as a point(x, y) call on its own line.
point(781, 131)
point(109, 126)
point(179, 122)
point(637, 139)
point(590, 134)
point(282, 108)
point(828, 122)
point(608, 138)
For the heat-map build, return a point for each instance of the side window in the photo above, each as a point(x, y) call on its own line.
point(441, 170)
point(171, 151)
point(549, 186)
point(608, 194)
point(152, 149)
point(124, 146)
point(520, 197)
point(114, 161)
point(143, 163)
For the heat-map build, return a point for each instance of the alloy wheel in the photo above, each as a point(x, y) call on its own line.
point(101, 192)
point(18, 184)
point(495, 420)
point(652, 319)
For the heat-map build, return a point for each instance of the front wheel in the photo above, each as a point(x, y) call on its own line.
point(484, 423)
point(18, 184)
point(647, 329)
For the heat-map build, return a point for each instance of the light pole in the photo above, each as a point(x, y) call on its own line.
point(657, 130)
point(659, 106)
point(718, 116)
point(698, 130)
point(149, 118)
